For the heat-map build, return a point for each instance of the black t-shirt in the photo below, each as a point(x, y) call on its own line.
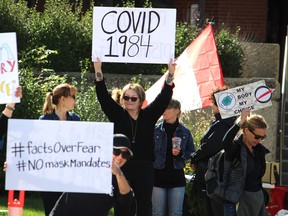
point(169, 177)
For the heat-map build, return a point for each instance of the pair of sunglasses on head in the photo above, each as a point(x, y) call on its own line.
point(125, 154)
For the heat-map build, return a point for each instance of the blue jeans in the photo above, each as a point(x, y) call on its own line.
point(229, 208)
point(170, 199)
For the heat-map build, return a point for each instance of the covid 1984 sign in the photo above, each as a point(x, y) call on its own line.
point(253, 96)
point(133, 35)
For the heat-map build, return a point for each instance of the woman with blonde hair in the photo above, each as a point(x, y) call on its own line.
point(57, 105)
point(245, 166)
point(137, 124)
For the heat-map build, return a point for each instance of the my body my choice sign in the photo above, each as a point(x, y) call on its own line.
point(133, 35)
point(253, 96)
point(66, 156)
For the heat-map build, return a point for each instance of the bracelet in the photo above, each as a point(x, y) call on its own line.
point(10, 108)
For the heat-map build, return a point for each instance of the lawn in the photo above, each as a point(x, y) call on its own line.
point(32, 206)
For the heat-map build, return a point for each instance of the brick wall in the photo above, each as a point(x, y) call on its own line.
point(251, 16)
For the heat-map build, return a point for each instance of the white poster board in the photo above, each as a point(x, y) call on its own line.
point(253, 96)
point(71, 156)
point(133, 35)
point(9, 79)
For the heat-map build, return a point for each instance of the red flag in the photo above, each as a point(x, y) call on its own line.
point(198, 72)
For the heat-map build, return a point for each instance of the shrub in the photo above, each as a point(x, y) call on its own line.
point(69, 32)
point(13, 17)
point(230, 52)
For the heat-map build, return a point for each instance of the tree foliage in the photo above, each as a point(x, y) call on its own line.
point(69, 34)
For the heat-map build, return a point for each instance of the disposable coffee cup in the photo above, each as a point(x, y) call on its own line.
point(176, 141)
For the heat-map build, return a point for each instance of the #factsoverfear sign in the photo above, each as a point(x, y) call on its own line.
point(72, 156)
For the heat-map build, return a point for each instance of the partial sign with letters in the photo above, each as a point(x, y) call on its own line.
point(71, 156)
point(9, 79)
point(133, 35)
point(253, 96)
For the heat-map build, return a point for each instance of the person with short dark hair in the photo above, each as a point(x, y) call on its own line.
point(170, 161)
point(121, 198)
point(210, 144)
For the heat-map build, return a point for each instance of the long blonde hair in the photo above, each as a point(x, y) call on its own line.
point(254, 121)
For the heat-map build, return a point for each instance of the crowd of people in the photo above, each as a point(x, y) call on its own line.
point(149, 156)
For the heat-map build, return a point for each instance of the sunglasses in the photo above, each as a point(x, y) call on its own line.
point(127, 98)
point(256, 136)
point(125, 154)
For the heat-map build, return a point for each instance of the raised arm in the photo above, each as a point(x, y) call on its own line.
point(98, 70)
point(7, 113)
point(171, 70)
point(10, 107)
point(227, 142)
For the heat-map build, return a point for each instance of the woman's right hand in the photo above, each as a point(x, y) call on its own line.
point(244, 114)
point(98, 70)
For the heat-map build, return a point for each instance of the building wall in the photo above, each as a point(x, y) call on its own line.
point(251, 16)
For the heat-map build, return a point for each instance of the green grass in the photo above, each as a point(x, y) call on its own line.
point(32, 205)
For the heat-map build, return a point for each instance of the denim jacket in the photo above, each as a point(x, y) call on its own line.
point(160, 139)
point(70, 116)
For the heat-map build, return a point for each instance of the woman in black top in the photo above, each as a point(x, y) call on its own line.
point(244, 182)
point(90, 204)
point(138, 125)
point(211, 143)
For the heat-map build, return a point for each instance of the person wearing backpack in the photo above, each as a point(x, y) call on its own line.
point(243, 184)
point(211, 144)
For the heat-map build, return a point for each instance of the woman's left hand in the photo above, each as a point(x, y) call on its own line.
point(172, 66)
point(176, 151)
point(18, 92)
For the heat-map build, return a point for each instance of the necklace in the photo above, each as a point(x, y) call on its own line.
point(133, 129)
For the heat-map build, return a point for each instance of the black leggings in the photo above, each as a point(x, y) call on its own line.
point(49, 199)
point(140, 175)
